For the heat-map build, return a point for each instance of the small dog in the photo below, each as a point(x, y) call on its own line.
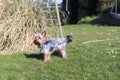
point(47, 47)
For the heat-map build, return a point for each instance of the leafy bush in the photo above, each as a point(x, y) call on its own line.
point(87, 19)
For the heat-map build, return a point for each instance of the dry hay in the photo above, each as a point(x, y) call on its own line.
point(17, 23)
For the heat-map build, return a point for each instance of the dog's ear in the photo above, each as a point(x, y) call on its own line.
point(44, 35)
point(34, 32)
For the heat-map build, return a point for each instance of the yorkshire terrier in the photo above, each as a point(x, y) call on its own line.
point(47, 47)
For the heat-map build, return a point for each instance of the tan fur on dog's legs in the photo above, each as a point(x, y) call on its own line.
point(46, 58)
point(63, 52)
point(49, 55)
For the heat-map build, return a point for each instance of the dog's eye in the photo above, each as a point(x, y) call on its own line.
point(37, 38)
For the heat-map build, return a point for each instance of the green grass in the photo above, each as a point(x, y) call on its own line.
point(86, 61)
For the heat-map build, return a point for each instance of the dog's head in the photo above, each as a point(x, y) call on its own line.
point(39, 38)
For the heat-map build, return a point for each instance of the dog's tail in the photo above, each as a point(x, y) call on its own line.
point(69, 38)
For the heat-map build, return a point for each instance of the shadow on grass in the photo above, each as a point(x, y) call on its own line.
point(106, 20)
point(40, 56)
point(34, 55)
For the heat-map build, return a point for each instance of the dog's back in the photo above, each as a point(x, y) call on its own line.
point(55, 44)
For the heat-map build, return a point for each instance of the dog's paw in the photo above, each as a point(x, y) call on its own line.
point(65, 57)
point(45, 61)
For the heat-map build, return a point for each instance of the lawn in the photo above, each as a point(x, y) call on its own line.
point(94, 54)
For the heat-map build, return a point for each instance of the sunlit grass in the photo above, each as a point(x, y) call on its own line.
point(86, 61)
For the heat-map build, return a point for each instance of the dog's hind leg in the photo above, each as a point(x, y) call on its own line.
point(63, 52)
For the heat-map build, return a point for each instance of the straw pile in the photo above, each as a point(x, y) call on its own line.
point(18, 20)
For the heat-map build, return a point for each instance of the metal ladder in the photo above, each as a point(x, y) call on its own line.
point(51, 16)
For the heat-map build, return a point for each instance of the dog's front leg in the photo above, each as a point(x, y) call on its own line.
point(46, 58)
